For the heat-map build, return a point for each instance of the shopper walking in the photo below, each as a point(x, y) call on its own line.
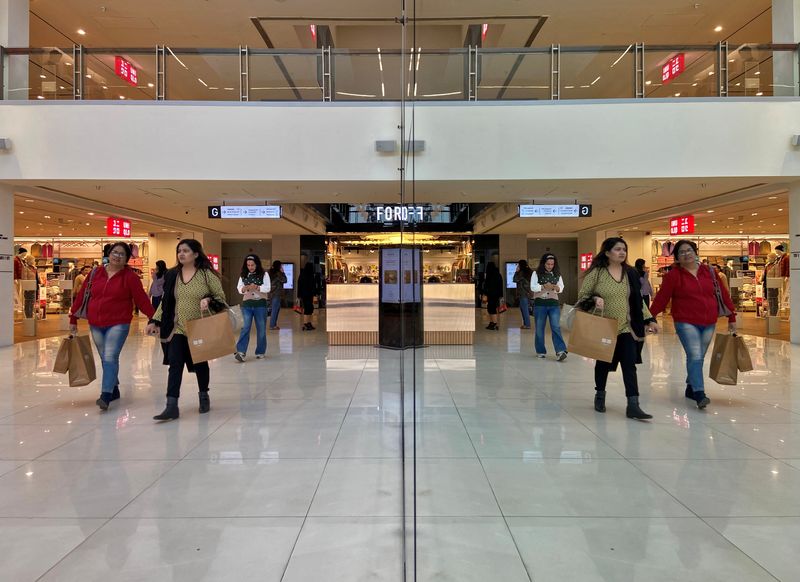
point(254, 284)
point(113, 291)
point(278, 279)
point(695, 292)
point(546, 284)
point(644, 280)
point(189, 288)
point(157, 285)
point(81, 277)
point(493, 290)
point(614, 287)
point(522, 278)
point(306, 291)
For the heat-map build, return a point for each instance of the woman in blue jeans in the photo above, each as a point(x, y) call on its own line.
point(254, 285)
point(546, 284)
point(696, 294)
point(278, 278)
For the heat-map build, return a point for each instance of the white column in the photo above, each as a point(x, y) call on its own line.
point(785, 30)
point(794, 257)
point(6, 266)
point(15, 32)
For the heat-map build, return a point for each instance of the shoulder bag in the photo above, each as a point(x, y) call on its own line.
point(722, 309)
point(83, 310)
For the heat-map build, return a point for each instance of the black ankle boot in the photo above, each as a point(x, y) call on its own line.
point(633, 410)
point(103, 401)
point(205, 402)
point(115, 394)
point(600, 400)
point(689, 391)
point(491, 325)
point(171, 411)
point(701, 399)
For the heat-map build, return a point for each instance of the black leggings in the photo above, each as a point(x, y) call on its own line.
point(626, 354)
point(178, 356)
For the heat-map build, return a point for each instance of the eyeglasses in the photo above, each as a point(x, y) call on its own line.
point(119, 255)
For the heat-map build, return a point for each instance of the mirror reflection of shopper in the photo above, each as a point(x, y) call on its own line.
point(493, 290)
point(546, 284)
point(157, 286)
point(644, 280)
point(189, 288)
point(522, 278)
point(254, 285)
point(692, 288)
point(614, 286)
point(278, 279)
point(306, 291)
point(115, 289)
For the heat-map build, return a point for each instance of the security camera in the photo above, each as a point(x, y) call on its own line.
point(187, 212)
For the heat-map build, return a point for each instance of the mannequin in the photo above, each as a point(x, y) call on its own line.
point(19, 269)
point(770, 295)
point(783, 270)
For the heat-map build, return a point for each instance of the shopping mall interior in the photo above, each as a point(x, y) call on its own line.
point(394, 150)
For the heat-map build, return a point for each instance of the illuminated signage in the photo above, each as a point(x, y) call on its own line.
point(269, 212)
point(399, 213)
point(126, 71)
point(555, 210)
point(681, 225)
point(214, 261)
point(672, 68)
point(586, 261)
point(118, 227)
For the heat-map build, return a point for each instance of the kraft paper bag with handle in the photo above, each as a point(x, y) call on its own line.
point(743, 360)
point(724, 369)
point(593, 336)
point(61, 365)
point(81, 361)
point(210, 337)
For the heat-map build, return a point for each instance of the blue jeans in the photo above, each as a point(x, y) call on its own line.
point(695, 340)
point(525, 309)
point(276, 307)
point(260, 316)
point(541, 313)
point(109, 342)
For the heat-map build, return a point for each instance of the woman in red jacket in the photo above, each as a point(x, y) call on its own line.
point(693, 289)
point(113, 291)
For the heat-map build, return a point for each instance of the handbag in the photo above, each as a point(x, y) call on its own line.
point(502, 307)
point(298, 307)
point(722, 309)
point(83, 310)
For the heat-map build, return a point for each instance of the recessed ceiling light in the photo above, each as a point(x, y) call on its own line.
point(710, 211)
point(47, 216)
point(717, 29)
point(648, 82)
point(105, 87)
point(21, 212)
point(81, 31)
point(42, 76)
point(759, 94)
point(122, 96)
point(758, 72)
point(40, 96)
point(150, 85)
point(90, 213)
point(677, 94)
point(754, 214)
point(773, 197)
point(710, 73)
point(713, 222)
point(28, 200)
point(780, 209)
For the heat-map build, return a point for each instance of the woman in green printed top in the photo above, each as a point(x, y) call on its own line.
point(546, 284)
point(189, 287)
point(615, 288)
point(254, 285)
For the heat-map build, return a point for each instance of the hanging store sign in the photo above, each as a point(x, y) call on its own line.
point(586, 261)
point(268, 212)
point(673, 68)
point(126, 71)
point(681, 225)
point(555, 210)
point(399, 213)
point(118, 227)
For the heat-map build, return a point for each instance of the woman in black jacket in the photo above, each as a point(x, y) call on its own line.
point(493, 289)
point(306, 290)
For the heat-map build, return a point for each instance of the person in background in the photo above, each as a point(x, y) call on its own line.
point(157, 285)
point(115, 289)
point(724, 280)
point(644, 280)
point(547, 283)
point(493, 290)
point(278, 279)
point(306, 291)
point(254, 284)
point(692, 289)
point(522, 278)
point(614, 286)
point(189, 288)
point(81, 277)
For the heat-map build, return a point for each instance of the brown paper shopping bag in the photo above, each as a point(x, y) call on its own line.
point(61, 365)
point(593, 336)
point(724, 369)
point(743, 361)
point(81, 361)
point(210, 337)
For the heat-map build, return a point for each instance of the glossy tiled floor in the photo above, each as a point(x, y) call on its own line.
point(297, 474)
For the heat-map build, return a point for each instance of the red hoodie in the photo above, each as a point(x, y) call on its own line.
point(111, 301)
point(693, 298)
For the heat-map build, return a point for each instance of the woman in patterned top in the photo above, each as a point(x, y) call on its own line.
point(614, 286)
point(189, 287)
point(254, 285)
point(546, 283)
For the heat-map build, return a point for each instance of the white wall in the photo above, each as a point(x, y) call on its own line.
point(464, 141)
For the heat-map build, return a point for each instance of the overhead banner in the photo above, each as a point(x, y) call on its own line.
point(555, 210)
point(268, 212)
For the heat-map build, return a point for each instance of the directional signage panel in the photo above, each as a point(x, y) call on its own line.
point(269, 212)
point(555, 210)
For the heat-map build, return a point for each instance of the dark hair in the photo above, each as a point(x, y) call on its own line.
point(639, 266)
point(525, 268)
point(124, 246)
point(780, 248)
point(245, 271)
point(276, 268)
point(202, 261)
point(308, 269)
point(600, 260)
point(85, 267)
point(161, 269)
point(679, 244)
point(491, 268)
point(541, 269)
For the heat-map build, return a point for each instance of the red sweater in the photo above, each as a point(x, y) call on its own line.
point(693, 298)
point(111, 301)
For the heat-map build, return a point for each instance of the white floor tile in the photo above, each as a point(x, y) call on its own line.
point(360, 488)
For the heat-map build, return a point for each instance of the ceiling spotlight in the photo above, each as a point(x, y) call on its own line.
point(754, 214)
point(42, 76)
point(648, 82)
point(150, 85)
point(718, 29)
point(81, 31)
point(40, 96)
point(90, 213)
point(709, 211)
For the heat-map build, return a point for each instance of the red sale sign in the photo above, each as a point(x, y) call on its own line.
point(672, 68)
point(118, 227)
point(681, 225)
point(586, 261)
point(214, 261)
point(126, 71)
